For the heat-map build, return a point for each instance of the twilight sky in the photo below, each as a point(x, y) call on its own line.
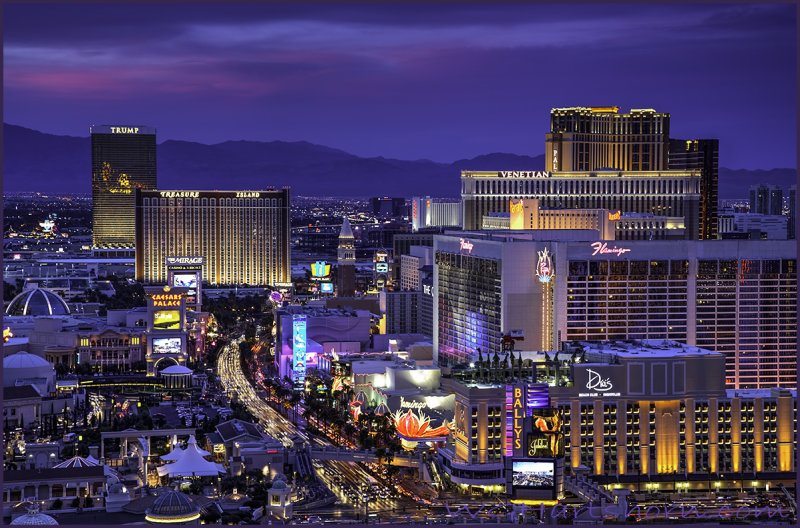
point(441, 82)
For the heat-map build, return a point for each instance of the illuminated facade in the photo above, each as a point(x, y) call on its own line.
point(242, 236)
point(585, 139)
point(123, 159)
point(473, 456)
point(702, 155)
point(346, 269)
point(658, 411)
point(610, 225)
point(111, 349)
point(427, 213)
point(737, 297)
point(165, 335)
point(660, 193)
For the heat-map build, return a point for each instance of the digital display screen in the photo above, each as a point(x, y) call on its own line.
point(184, 280)
point(327, 287)
point(167, 319)
point(381, 267)
point(547, 438)
point(533, 474)
point(166, 345)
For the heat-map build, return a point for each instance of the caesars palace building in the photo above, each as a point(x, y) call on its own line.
point(735, 297)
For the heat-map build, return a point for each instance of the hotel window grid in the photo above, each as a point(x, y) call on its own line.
point(243, 241)
point(746, 309)
point(670, 193)
point(469, 291)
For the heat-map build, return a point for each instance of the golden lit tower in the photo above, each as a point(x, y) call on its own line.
point(123, 159)
point(588, 139)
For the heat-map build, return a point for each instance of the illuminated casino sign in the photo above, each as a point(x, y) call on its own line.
point(166, 300)
point(320, 269)
point(124, 130)
point(518, 414)
point(525, 174)
point(183, 261)
point(48, 226)
point(179, 194)
point(515, 207)
point(248, 194)
point(544, 267)
point(520, 402)
point(614, 216)
point(555, 158)
point(601, 248)
point(299, 344)
point(465, 245)
point(599, 382)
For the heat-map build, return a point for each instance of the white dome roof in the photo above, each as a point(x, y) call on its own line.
point(177, 369)
point(24, 360)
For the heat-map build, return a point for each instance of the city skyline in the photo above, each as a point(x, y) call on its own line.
point(401, 82)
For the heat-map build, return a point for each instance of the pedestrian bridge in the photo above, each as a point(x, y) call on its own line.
point(366, 456)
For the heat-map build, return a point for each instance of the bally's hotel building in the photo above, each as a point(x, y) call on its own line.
point(735, 297)
point(243, 236)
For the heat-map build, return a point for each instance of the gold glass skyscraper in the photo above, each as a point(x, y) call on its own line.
point(123, 159)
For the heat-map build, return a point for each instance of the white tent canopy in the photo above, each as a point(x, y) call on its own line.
point(190, 462)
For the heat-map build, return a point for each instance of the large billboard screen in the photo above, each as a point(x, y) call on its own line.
point(184, 280)
point(299, 344)
point(320, 270)
point(167, 345)
point(547, 437)
point(167, 319)
point(533, 474)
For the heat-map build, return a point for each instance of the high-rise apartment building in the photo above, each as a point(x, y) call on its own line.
point(587, 139)
point(766, 199)
point(702, 155)
point(243, 236)
point(660, 193)
point(737, 297)
point(123, 159)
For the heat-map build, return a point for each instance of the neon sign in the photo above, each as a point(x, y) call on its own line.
point(465, 245)
point(596, 382)
point(614, 216)
point(47, 226)
point(555, 159)
point(515, 207)
point(299, 350)
point(254, 194)
point(164, 300)
point(179, 194)
point(171, 261)
point(519, 414)
point(544, 267)
point(7, 334)
point(603, 249)
point(320, 269)
point(525, 174)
